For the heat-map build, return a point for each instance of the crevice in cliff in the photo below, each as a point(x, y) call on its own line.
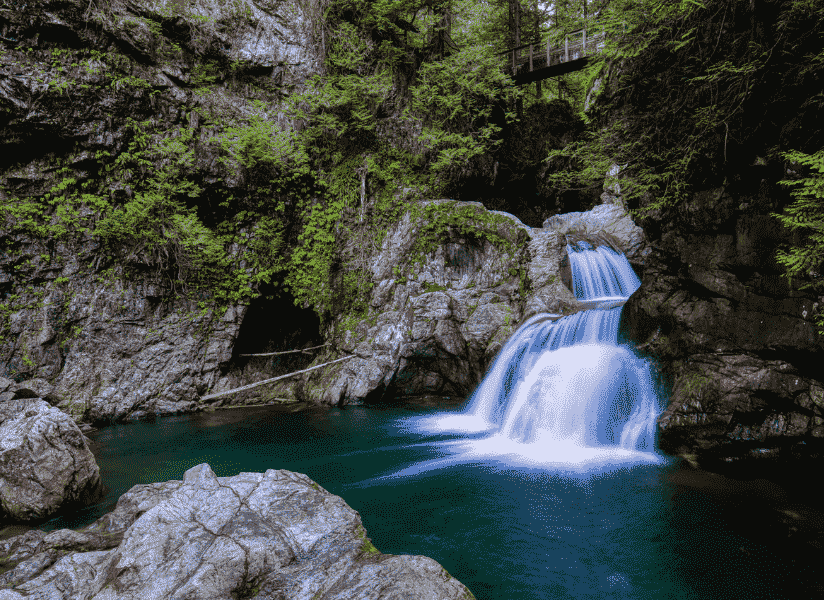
point(273, 323)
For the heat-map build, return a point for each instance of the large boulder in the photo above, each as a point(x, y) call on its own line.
point(255, 535)
point(45, 462)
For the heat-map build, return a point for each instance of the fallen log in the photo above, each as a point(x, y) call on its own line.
point(304, 350)
point(251, 385)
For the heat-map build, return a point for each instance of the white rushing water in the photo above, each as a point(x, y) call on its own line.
point(561, 392)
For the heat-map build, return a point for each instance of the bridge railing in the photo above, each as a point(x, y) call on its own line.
point(577, 44)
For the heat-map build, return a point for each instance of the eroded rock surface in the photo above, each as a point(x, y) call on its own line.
point(45, 462)
point(77, 77)
point(114, 351)
point(609, 221)
point(255, 535)
point(741, 347)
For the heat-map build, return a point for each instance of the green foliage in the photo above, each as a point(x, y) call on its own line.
point(805, 218)
point(692, 81)
point(54, 215)
point(309, 281)
point(478, 23)
point(438, 222)
point(261, 143)
point(434, 287)
point(203, 77)
point(458, 95)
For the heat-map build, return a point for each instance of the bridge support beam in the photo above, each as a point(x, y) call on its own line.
point(553, 71)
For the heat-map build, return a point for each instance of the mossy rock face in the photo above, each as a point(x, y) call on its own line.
point(715, 313)
point(468, 286)
point(150, 87)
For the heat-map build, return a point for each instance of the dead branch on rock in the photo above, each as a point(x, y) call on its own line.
point(251, 385)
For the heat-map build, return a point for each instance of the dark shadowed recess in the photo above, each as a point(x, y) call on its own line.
point(513, 178)
point(274, 325)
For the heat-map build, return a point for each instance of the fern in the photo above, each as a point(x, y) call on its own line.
point(806, 217)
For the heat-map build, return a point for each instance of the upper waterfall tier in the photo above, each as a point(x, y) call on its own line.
point(600, 273)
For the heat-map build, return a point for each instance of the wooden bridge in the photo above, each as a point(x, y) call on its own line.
point(539, 60)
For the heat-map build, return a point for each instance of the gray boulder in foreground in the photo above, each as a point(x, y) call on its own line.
point(45, 462)
point(273, 535)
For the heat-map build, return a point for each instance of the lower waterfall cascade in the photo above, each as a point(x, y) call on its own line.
point(562, 392)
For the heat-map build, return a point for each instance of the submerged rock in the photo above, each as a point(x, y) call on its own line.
point(45, 462)
point(255, 535)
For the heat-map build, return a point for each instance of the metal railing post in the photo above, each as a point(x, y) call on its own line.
point(585, 43)
point(530, 58)
point(547, 53)
point(566, 48)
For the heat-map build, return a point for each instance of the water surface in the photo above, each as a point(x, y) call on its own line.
point(507, 532)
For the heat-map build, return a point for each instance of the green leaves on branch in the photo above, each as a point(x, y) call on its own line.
point(457, 96)
point(805, 218)
point(262, 143)
point(309, 278)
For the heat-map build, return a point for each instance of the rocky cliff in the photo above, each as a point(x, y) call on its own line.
point(740, 345)
point(115, 338)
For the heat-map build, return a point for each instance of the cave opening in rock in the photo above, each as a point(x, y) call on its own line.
point(273, 323)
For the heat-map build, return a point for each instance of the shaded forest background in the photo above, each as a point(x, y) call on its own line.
point(412, 101)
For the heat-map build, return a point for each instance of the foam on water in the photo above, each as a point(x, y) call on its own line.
point(562, 393)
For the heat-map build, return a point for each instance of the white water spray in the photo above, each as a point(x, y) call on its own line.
point(562, 392)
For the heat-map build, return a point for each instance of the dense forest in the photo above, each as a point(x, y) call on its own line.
point(412, 101)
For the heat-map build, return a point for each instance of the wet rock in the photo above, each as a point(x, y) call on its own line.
point(610, 221)
point(743, 351)
point(424, 341)
point(261, 535)
point(36, 388)
point(45, 462)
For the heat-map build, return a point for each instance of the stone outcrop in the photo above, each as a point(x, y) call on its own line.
point(255, 535)
point(109, 349)
point(608, 223)
point(437, 329)
point(741, 348)
point(45, 461)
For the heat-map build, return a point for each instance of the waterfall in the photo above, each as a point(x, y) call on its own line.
point(562, 391)
point(600, 273)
